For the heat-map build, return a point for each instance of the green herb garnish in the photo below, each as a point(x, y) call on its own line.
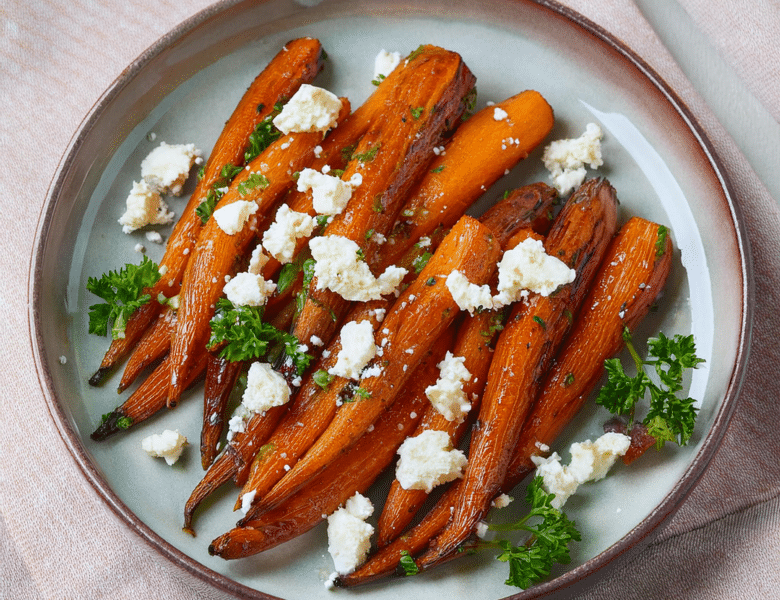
point(407, 564)
point(122, 292)
point(368, 155)
point(669, 417)
point(253, 181)
point(322, 378)
point(417, 112)
point(264, 134)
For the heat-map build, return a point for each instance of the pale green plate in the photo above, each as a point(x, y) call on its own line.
point(184, 88)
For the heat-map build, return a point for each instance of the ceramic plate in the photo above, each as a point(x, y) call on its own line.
point(183, 89)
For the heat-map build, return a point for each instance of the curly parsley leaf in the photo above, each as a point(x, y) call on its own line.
point(551, 532)
point(122, 292)
point(242, 335)
point(670, 418)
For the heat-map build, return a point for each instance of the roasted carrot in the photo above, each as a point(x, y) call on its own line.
point(352, 472)
point(153, 345)
point(390, 158)
point(478, 154)
point(579, 237)
point(298, 62)
point(417, 318)
point(221, 377)
point(633, 273)
point(217, 251)
point(309, 413)
point(147, 399)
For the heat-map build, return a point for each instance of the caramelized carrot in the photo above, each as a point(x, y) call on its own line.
point(217, 251)
point(152, 346)
point(390, 158)
point(352, 472)
point(478, 154)
point(418, 317)
point(147, 399)
point(579, 237)
point(309, 413)
point(298, 62)
point(221, 377)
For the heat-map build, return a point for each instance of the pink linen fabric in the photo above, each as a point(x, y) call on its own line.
point(56, 59)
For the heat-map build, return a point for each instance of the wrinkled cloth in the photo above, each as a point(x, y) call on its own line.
point(57, 58)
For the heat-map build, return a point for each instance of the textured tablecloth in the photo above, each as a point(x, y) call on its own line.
point(56, 59)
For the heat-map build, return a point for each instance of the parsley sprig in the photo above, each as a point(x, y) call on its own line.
point(669, 418)
point(243, 335)
point(551, 533)
point(122, 292)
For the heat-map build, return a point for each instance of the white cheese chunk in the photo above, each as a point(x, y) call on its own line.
point(310, 109)
point(329, 194)
point(265, 388)
point(428, 460)
point(288, 226)
point(145, 206)
point(566, 159)
point(590, 461)
point(246, 501)
point(349, 536)
point(468, 296)
point(232, 218)
point(447, 395)
point(499, 114)
point(167, 167)
point(168, 445)
point(385, 62)
point(527, 267)
point(357, 349)
point(257, 261)
point(248, 289)
point(340, 269)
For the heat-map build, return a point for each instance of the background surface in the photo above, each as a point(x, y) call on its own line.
point(58, 540)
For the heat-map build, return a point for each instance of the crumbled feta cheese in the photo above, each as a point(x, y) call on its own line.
point(289, 225)
point(140, 248)
point(349, 536)
point(246, 501)
point(385, 62)
point(357, 349)
point(168, 445)
point(528, 267)
point(145, 206)
point(340, 269)
point(590, 461)
point(63, 359)
point(329, 194)
point(502, 501)
point(499, 114)
point(447, 395)
point(257, 261)
point(310, 109)
point(248, 289)
point(238, 420)
point(428, 460)
point(265, 388)
point(154, 237)
point(166, 167)
point(566, 159)
point(468, 296)
point(232, 218)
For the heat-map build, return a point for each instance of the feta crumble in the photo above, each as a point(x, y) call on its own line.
point(257, 261)
point(289, 225)
point(428, 460)
point(330, 194)
point(168, 445)
point(167, 167)
point(248, 289)
point(447, 395)
point(265, 388)
point(145, 206)
point(385, 62)
point(349, 536)
point(340, 269)
point(499, 114)
point(357, 349)
point(468, 296)
point(232, 218)
point(310, 109)
point(566, 159)
point(590, 461)
point(154, 237)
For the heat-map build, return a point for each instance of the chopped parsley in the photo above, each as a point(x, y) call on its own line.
point(417, 112)
point(407, 564)
point(216, 191)
point(253, 181)
point(122, 292)
point(264, 134)
point(368, 155)
point(660, 242)
point(418, 264)
point(378, 79)
point(322, 378)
